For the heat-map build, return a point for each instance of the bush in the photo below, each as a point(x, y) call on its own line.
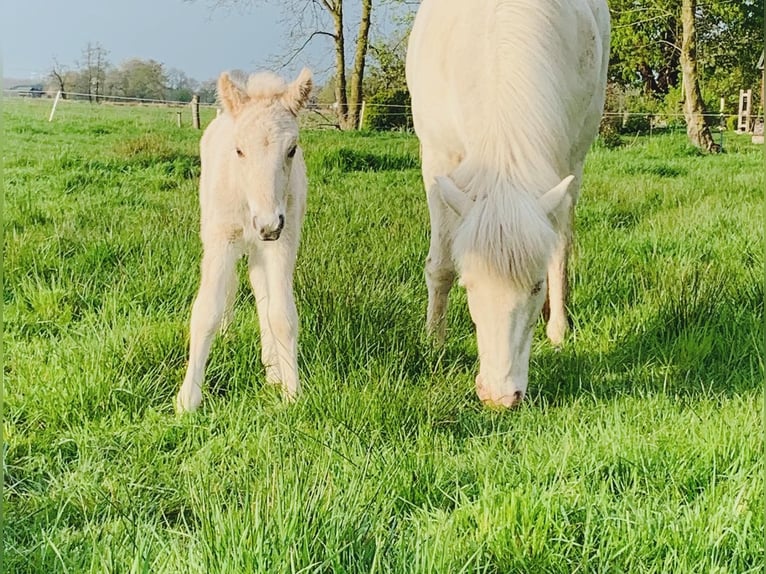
point(636, 123)
point(388, 110)
point(609, 132)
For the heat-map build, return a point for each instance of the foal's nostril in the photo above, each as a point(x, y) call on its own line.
point(281, 222)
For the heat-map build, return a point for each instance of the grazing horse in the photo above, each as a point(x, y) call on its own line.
point(507, 96)
point(252, 202)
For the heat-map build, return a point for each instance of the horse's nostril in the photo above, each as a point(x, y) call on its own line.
point(281, 222)
point(518, 396)
point(255, 223)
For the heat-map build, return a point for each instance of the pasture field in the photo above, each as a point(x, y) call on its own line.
point(638, 449)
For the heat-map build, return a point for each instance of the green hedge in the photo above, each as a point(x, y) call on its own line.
point(388, 110)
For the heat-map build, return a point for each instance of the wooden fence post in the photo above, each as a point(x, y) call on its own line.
point(745, 107)
point(178, 117)
point(195, 111)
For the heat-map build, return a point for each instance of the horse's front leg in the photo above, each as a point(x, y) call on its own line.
point(439, 268)
point(555, 305)
point(217, 281)
point(269, 357)
point(279, 316)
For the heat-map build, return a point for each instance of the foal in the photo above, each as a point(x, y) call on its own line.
point(252, 201)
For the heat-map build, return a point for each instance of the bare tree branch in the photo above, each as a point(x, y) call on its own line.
point(303, 46)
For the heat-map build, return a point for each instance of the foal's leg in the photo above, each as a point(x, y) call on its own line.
point(217, 282)
point(257, 273)
point(555, 305)
point(280, 318)
point(439, 269)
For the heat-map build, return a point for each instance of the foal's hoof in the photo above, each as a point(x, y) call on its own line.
point(497, 401)
point(290, 395)
point(188, 399)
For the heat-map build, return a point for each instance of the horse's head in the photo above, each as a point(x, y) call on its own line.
point(264, 142)
point(502, 247)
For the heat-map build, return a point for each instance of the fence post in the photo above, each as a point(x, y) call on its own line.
point(55, 103)
point(361, 115)
point(178, 118)
point(195, 111)
point(745, 106)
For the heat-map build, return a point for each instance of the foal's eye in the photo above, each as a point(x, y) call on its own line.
point(240, 153)
point(291, 152)
point(536, 289)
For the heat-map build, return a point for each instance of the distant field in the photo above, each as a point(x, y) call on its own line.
point(639, 449)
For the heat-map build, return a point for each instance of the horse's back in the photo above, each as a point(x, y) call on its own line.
point(510, 69)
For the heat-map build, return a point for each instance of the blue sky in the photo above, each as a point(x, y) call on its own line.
point(189, 36)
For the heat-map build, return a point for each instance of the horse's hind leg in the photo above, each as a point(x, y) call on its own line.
point(218, 278)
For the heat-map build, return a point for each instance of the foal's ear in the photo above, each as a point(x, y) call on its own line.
point(231, 96)
point(297, 93)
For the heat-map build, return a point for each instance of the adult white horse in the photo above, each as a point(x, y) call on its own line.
point(252, 202)
point(507, 97)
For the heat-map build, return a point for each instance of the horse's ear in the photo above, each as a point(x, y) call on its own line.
point(298, 92)
point(453, 196)
point(552, 200)
point(231, 96)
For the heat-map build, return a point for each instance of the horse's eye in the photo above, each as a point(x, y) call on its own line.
point(291, 152)
point(240, 153)
point(537, 287)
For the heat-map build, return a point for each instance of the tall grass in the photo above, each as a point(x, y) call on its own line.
point(638, 449)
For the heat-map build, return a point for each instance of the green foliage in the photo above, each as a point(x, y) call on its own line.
point(646, 37)
point(388, 110)
point(634, 452)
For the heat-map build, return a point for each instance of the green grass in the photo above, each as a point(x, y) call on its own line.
point(639, 448)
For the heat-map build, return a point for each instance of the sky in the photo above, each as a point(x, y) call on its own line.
point(190, 36)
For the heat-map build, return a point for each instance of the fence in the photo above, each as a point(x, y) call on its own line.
point(76, 105)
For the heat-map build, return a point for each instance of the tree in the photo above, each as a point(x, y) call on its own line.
point(647, 38)
point(93, 69)
point(730, 39)
point(664, 44)
point(694, 107)
point(310, 19)
point(58, 76)
point(180, 87)
point(386, 93)
point(142, 79)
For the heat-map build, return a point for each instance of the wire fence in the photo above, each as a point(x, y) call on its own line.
point(77, 105)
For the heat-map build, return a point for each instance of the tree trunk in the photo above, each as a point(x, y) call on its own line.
point(357, 74)
point(694, 107)
point(340, 64)
point(60, 80)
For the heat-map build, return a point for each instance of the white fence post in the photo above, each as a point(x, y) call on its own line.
point(55, 103)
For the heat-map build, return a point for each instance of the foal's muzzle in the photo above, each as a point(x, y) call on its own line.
point(270, 232)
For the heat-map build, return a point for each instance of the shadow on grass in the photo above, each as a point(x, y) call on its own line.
point(701, 341)
point(346, 160)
